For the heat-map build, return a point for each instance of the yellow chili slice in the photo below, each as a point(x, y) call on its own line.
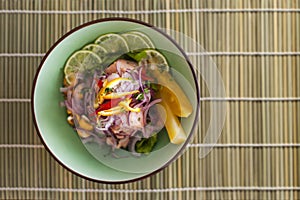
point(126, 103)
point(119, 94)
point(122, 106)
point(107, 86)
point(112, 111)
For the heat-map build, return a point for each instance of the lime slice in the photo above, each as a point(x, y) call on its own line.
point(97, 49)
point(153, 59)
point(113, 43)
point(80, 61)
point(135, 42)
point(144, 36)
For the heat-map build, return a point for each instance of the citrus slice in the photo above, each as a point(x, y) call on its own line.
point(97, 49)
point(153, 59)
point(135, 42)
point(144, 36)
point(113, 43)
point(175, 131)
point(80, 61)
point(173, 94)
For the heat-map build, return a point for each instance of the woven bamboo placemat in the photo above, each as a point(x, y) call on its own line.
point(256, 47)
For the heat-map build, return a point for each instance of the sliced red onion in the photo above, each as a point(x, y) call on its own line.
point(100, 131)
point(140, 79)
point(69, 96)
point(157, 121)
point(146, 108)
point(77, 106)
point(134, 74)
point(65, 89)
point(68, 105)
point(107, 121)
point(86, 99)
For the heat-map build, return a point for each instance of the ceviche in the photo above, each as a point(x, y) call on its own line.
point(118, 91)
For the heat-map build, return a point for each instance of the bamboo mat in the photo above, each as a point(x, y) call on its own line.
point(256, 47)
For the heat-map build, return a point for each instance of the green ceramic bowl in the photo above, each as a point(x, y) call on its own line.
point(61, 140)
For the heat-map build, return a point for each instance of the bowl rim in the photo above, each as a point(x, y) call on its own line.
point(123, 19)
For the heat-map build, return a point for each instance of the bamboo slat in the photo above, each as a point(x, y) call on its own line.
point(232, 31)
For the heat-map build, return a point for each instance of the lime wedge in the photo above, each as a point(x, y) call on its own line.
point(113, 43)
point(97, 49)
point(135, 42)
point(153, 59)
point(144, 36)
point(80, 61)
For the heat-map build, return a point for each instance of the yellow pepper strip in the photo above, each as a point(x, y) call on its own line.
point(110, 85)
point(119, 94)
point(122, 106)
point(104, 83)
point(125, 105)
point(112, 111)
point(100, 99)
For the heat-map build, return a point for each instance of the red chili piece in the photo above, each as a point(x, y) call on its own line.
point(100, 83)
point(108, 104)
